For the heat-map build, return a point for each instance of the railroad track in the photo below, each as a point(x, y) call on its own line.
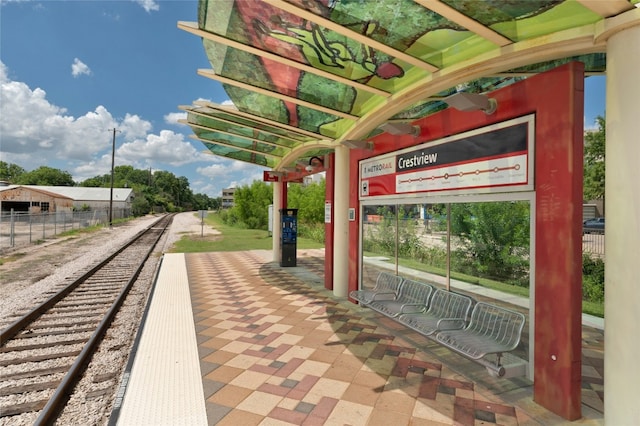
point(44, 352)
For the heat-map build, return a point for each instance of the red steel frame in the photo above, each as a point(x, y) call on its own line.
point(557, 100)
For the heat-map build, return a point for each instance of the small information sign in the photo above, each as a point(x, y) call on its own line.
point(327, 212)
point(270, 176)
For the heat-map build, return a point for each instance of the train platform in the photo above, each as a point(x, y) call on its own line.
point(232, 338)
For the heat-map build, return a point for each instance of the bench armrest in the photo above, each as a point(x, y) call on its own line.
point(451, 324)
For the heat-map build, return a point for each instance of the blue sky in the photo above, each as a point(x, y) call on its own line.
point(72, 70)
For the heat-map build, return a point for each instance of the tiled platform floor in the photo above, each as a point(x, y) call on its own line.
point(276, 348)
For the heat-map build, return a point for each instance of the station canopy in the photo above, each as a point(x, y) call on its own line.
point(307, 75)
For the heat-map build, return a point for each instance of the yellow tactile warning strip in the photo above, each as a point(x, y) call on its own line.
point(165, 386)
point(276, 348)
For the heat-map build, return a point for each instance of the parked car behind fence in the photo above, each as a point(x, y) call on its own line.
point(593, 226)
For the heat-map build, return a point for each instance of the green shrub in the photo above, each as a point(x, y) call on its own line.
point(230, 217)
point(433, 256)
point(592, 290)
point(592, 279)
point(312, 231)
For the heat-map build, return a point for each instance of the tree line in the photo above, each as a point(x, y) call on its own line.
point(251, 207)
point(152, 189)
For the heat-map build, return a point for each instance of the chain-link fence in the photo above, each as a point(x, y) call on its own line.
point(20, 229)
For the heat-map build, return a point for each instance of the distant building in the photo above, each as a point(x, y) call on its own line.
point(314, 178)
point(592, 209)
point(37, 198)
point(227, 197)
point(25, 199)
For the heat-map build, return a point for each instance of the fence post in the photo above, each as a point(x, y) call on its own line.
point(12, 231)
point(43, 229)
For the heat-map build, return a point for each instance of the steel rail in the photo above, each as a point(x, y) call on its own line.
point(14, 328)
point(50, 411)
point(56, 403)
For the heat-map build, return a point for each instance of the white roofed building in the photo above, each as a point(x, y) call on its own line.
point(30, 198)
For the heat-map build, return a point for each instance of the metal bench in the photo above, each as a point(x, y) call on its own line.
point(413, 297)
point(443, 305)
point(491, 330)
point(386, 288)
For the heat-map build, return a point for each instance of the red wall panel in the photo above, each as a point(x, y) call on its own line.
point(557, 100)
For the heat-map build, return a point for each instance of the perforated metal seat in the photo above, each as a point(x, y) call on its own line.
point(387, 288)
point(413, 297)
point(443, 305)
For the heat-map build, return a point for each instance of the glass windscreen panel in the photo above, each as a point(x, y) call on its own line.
point(488, 243)
point(379, 242)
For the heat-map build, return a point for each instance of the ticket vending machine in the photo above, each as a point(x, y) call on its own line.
point(288, 244)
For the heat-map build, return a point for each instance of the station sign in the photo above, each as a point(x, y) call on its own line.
point(496, 158)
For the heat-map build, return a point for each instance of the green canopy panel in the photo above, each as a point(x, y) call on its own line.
point(237, 154)
point(309, 73)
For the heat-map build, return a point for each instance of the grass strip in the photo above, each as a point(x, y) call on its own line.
point(231, 239)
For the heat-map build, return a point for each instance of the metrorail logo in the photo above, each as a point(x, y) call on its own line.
point(378, 168)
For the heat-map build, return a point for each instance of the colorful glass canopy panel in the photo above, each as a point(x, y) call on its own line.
point(322, 66)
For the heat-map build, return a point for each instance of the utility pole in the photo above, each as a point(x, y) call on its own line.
point(113, 155)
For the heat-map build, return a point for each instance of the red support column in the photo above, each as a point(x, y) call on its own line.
point(558, 295)
point(354, 225)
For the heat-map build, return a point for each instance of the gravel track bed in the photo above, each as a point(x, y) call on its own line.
point(45, 340)
point(40, 269)
point(53, 349)
point(44, 365)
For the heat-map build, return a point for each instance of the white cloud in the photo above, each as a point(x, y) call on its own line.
point(173, 117)
point(2, 2)
point(29, 124)
point(78, 68)
point(214, 171)
point(35, 132)
point(148, 5)
point(226, 174)
point(248, 176)
point(223, 167)
point(134, 127)
point(112, 16)
point(152, 151)
point(98, 167)
point(167, 147)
